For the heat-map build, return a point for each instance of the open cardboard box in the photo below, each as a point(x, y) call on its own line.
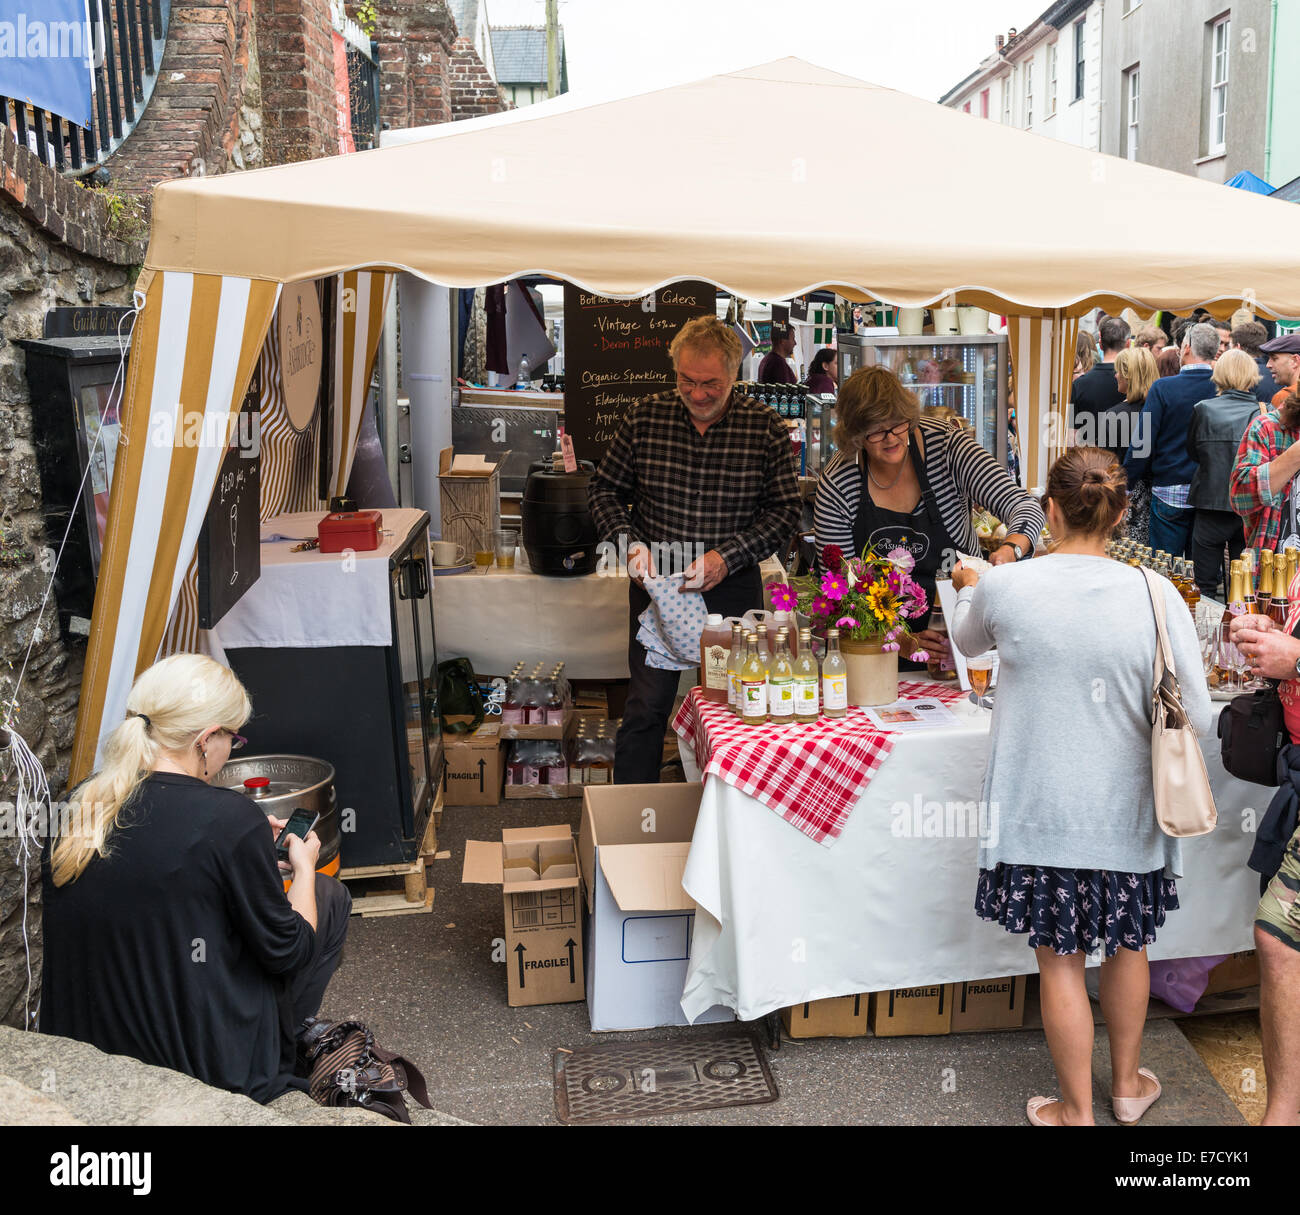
point(537, 870)
point(632, 849)
point(474, 769)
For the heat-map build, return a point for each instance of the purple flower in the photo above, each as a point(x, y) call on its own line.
point(920, 656)
point(821, 606)
point(846, 622)
point(834, 586)
point(783, 598)
point(902, 558)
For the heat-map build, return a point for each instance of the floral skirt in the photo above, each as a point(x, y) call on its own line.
point(1072, 909)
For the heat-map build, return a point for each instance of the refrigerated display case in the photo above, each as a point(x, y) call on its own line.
point(967, 374)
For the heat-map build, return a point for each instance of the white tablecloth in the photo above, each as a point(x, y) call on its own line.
point(314, 599)
point(497, 618)
point(782, 920)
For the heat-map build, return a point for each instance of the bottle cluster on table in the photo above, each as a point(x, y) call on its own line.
point(781, 681)
point(535, 699)
point(1177, 569)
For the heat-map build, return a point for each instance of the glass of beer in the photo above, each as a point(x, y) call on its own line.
point(483, 559)
point(506, 541)
point(979, 669)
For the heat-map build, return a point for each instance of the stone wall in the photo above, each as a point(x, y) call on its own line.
point(473, 91)
point(295, 52)
point(56, 248)
point(414, 39)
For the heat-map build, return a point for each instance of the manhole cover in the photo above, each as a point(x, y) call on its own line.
point(617, 1080)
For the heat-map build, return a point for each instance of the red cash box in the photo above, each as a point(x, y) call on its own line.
point(358, 530)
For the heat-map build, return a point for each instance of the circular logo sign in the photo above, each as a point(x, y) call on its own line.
point(298, 326)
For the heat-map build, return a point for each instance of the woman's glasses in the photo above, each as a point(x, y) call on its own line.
point(236, 740)
point(878, 436)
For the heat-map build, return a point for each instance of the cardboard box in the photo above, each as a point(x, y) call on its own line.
point(836, 1017)
point(512, 730)
point(980, 1004)
point(537, 870)
point(632, 850)
point(469, 492)
point(912, 1010)
point(1236, 971)
point(475, 767)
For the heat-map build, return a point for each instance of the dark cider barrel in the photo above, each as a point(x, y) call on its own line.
point(559, 532)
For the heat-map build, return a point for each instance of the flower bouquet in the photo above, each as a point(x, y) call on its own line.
point(871, 600)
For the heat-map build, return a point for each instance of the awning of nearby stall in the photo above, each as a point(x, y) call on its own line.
point(769, 182)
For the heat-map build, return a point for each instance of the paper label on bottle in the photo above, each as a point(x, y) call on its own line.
point(557, 776)
point(512, 716)
point(596, 776)
point(754, 698)
point(836, 690)
point(806, 698)
point(781, 699)
point(715, 667)
point(734, 699)
point(555, 717)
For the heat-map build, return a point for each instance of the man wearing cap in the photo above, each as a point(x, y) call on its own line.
point(1283, 354)
point(775, 367)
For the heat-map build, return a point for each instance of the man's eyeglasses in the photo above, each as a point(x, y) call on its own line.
point(712, 387)
point(878, 436)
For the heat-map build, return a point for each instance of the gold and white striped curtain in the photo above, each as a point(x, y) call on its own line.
point(204, 331)
point(1042, 360)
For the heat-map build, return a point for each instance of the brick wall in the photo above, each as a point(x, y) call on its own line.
point(191, 125)
point(295, 51)
point(473, 91)
point(414, 39)
point(55, 249)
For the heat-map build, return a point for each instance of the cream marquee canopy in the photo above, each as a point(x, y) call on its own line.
point(892, 198)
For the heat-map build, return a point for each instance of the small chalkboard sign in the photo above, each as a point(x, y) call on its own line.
point(229, 553)
point(616, 352)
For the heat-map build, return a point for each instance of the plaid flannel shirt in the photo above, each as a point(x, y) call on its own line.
point(1252, 497)
point(732, 488)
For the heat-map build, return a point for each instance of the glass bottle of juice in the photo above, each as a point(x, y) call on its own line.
point(735, 660)
point(835, 678)
point(780, 684)
point(807, 680)
point(764, 647)
point(714, 653)
point(554, 706)
point(512, 709)
point(753, 685)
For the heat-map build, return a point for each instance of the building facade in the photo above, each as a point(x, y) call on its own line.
point(1046, 78)
point(519, 57)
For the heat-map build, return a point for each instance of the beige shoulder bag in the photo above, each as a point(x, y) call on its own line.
point(1184, 802)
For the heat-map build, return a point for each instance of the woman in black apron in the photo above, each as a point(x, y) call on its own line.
point(920, 531)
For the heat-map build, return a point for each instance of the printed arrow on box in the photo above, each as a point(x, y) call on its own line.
point(481, 765)
point(519, 949)
point(572, 968)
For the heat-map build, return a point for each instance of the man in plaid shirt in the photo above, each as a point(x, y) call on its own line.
point(1263, 489)
point(701, 479)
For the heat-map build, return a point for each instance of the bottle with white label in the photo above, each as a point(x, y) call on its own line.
point(835, 678)
point(753, 685)
point(807, 680)
point(780, 684)
point(715, 649)
point(735, 660)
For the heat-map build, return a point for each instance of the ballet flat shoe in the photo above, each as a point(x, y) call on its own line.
point(1129, 1109)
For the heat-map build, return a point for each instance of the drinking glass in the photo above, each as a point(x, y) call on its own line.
point(483, 559)
point(505, 542)
point(979, 670)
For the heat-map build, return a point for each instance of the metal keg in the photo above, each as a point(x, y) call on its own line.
point(281, 784)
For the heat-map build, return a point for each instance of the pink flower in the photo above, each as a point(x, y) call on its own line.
point(832, 557)
point(834, 586)
point(920, 656)
point(846, 622)
point(821, 606)
point(783, 598)
point(902, 558)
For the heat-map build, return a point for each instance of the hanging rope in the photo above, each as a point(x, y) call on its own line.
point(33, 804)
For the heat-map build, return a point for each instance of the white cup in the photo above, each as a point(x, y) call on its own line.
point(447, 553)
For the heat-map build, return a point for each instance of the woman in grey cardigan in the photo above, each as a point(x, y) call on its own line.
point(1077, 861)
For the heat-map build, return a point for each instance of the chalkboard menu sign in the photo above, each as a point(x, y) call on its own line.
point(616, 352)
point(230, 554)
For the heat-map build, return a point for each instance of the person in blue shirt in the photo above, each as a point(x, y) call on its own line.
point(1159, 447)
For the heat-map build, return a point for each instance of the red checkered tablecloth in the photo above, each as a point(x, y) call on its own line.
point(810, 774)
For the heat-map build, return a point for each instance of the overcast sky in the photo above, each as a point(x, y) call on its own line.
point(920, 46)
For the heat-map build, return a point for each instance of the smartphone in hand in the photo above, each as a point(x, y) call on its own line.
point(301, 823)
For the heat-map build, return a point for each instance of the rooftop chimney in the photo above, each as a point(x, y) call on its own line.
point(998, 42)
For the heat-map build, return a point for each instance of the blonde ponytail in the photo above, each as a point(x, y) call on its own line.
point(169, 706)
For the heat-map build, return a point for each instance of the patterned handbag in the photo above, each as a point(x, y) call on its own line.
point(347, 1066)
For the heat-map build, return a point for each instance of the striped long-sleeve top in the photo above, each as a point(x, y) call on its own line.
point(961, 473)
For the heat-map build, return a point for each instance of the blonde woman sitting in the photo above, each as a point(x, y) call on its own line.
point(168, 933)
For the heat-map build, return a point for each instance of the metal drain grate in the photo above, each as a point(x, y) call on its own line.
point(617, 1080)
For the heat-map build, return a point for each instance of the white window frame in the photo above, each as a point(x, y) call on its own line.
point(1132, 109)
point(1029, 94)
point(1006, 99)
point(1051, 79)
point(1220, 56)
point(1129, 6)
point(1078, 63)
